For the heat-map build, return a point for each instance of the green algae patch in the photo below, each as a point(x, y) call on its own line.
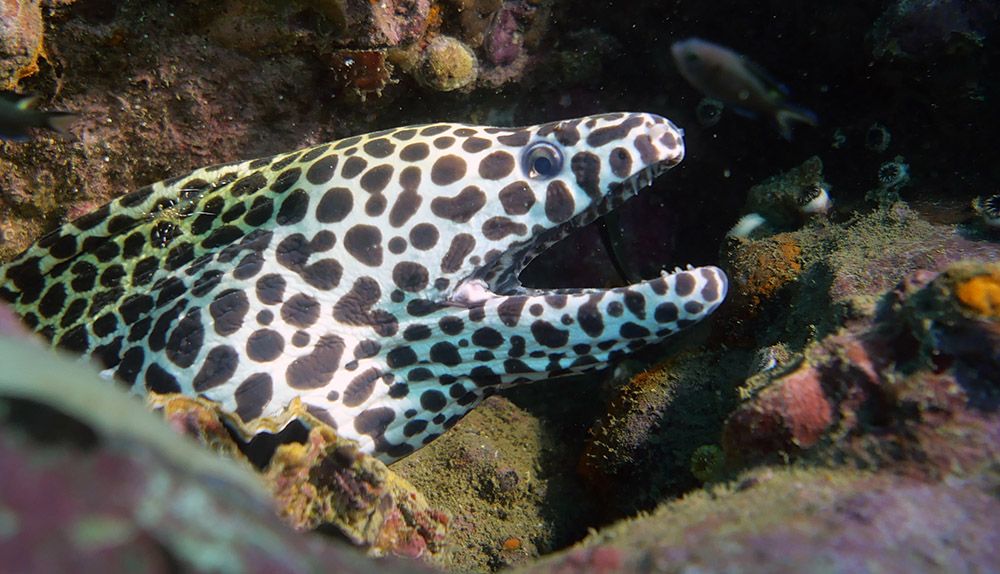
point(504, 484)
point(875, 250)
point(799, 519)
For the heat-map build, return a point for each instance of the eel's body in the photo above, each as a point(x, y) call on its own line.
point(373, 278)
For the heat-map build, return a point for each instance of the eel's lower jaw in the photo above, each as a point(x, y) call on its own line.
point(500, 277)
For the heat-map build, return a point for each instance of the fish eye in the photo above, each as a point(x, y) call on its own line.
point(542, 160)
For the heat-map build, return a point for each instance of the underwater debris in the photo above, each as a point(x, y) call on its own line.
point(447, 64)
point(877, 138)
point(988, 209)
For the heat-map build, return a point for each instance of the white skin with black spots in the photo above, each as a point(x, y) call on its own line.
point(373, 278)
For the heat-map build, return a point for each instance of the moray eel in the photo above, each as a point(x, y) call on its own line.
point(372, 280)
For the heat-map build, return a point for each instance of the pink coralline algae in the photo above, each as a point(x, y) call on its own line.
point(386, 23)
point(504, 41)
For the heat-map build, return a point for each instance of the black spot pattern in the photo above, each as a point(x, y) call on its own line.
point(228, 311)
point(379, 147)
point(404, 208)
point(447, 170)
point(608, 134)
point(354, 308)
point(361, 387)
point(364, 243)
point(316, 369)
point(265, 345)
point(487, 337)
point(433, 400)
point(186, 340)
point(293, 209)
point(496, 165)
point(424, 236)
point(647, 152)
point(517, 198)
point(300, 310)
point(376, 179)
point(252, 396)
point(548, 335)
point(374, 422)
point(559, 204)
point(710, 292)
point(271, 289)
point(665, 312)
point(461, 246)
point(335, 205)
point(218, 367)
point(587, 169)
point(410, 276)
point(446, 354)
point(497, 228)
point(160, 381)
point(462, 207)
point(415, 152)
point(322, 170)
point(684, 284)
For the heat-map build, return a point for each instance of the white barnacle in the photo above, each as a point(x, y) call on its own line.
point(814, 200)
point(988, 209)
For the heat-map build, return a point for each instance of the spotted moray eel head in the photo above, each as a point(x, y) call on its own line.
point(371, 281)
point(537, 184)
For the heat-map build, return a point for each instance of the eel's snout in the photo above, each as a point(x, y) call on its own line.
point(666, 144)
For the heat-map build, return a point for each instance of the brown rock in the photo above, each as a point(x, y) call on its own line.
point(21, 31)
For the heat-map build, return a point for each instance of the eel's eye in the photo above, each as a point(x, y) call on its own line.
point(542, 160)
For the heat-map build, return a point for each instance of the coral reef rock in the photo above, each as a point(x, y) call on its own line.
point(93, 482)
point(21, 31)
point(447, 64)
point(319, 479)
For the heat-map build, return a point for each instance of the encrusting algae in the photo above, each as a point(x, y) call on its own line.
point(981, 293)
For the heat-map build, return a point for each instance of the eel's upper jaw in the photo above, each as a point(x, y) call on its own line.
point(506, 282)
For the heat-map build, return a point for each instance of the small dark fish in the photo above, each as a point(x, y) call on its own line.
point(18, 115)
point(721, 73)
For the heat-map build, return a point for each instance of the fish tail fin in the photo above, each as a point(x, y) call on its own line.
point(788, 114)
point(60, 121)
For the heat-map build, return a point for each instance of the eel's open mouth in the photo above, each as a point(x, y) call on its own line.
point(501, 276)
